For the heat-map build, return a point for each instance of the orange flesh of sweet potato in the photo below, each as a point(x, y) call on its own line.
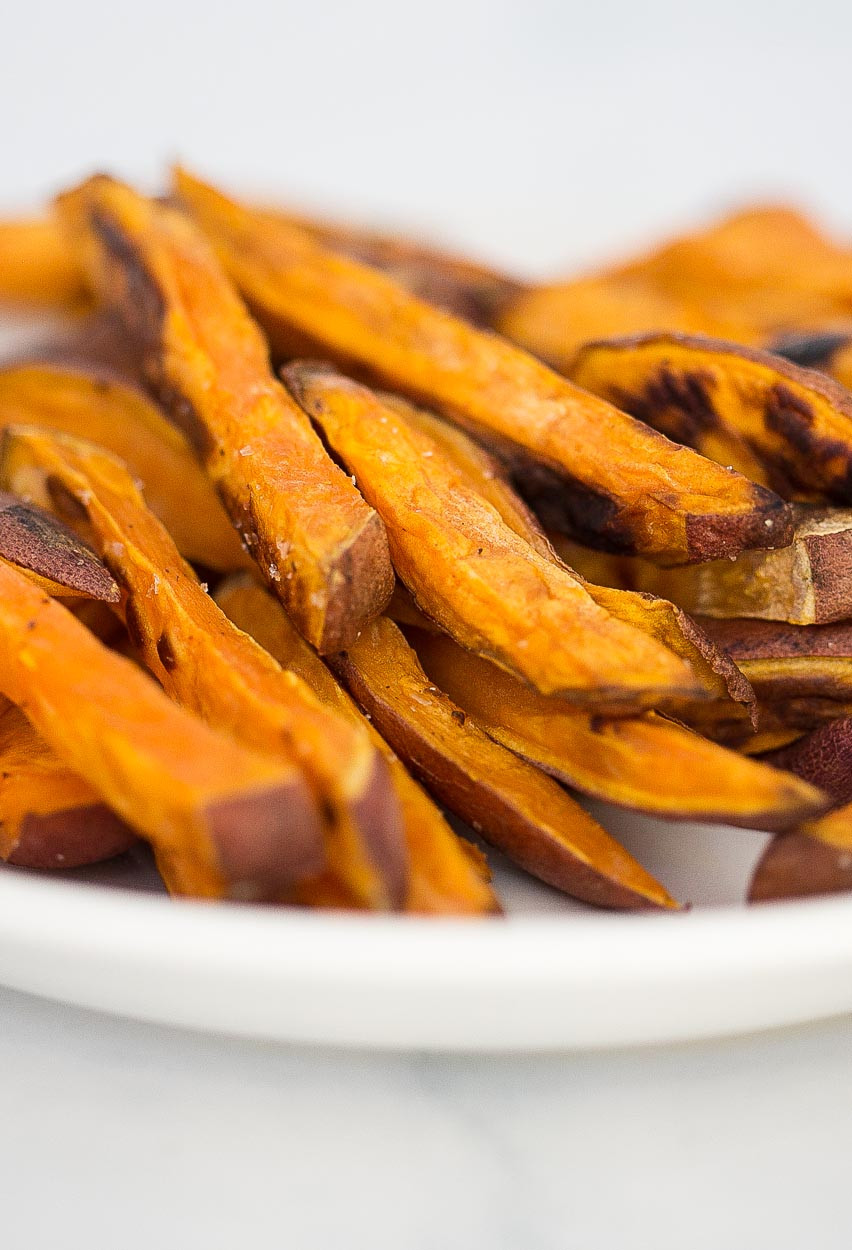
point(320, 547)
point(210, 666)
point(459, 285)
point(49, 816)
point(555, 321)
point(652, 615)
point(593, 467)
point(223, 820)
point(50, 553)
point(514, 806)
point(797, 866)
point(121, 418)
point(442, 878)
point(805, 583)
point(646, 763)
point(793, 425)
point(38, 264)
point(470, 572)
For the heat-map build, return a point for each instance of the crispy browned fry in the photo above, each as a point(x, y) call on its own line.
point(588, 465)
point(514, 806)
point(118, 416)
point(647, 763)
point(785, 663)
point(806, 583)
point(51, 554)
point(456, 283)
point(320, 547)
point(556, 321)
point(223, 820)
point(649, 613)
point(443, 880)
point(49, 816)
point(797, 866)
point(788, 427)
point(38, 264)
point(823, 757)
point(204, 662)
point(470, 572)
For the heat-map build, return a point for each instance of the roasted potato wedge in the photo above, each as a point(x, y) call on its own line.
point(443, 879)
point(470, 572)
point(320, 547)
point(787, 427)
point(49, 816)
point(514, 806)
point(589, 466)
point(104, 410)
point(224, 821)
point(51, 554)
point(789, 663)
point(647, 763)
point(213, 668)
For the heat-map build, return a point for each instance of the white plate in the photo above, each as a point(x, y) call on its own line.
point(549, 976)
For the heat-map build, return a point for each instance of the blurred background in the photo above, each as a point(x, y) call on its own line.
point(541, 134)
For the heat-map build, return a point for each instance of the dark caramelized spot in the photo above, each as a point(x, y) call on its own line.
point(134, 624)
point(677, 403)
point(165, 651)
point(811, 351)
point(791, 416)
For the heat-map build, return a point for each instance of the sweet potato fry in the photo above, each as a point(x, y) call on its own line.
point(797, 866)
point(320, 547)
point(514, 806)
point(49, 816)
point(649, 613)
point(442, 878)
point(470, 572)
point(646, 763)
point(823, 757)
point(788, 427)
point(455, 283)
point(104, 410)
point(216, 670)
point(785, 663)
point(554, 322)
point(807, 583)
point(223, 820)
point(38, 264)
point(52, 555)
point(590, 466)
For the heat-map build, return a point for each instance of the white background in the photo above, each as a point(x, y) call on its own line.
point(542, 135)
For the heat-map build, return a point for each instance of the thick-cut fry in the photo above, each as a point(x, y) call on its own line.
point(513, 806)
point(788, 427)
point(455, 283)
point(52, 555)
point(320, 547)
point(224, 820)
point(646, 763)
point(823, 757)
point(785, 663)
point(556, 321)
point(210, 666)
point(592, 467)
point(470, 572)
point(807, 583)
point(49, 816)
point(797, 866)
point(38, 264)
point(649, 613)
point(442, 878)
point(104, 410)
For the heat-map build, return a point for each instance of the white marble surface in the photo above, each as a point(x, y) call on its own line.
point(116, 1134)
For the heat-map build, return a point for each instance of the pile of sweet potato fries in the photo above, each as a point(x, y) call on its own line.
point(310, 537)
